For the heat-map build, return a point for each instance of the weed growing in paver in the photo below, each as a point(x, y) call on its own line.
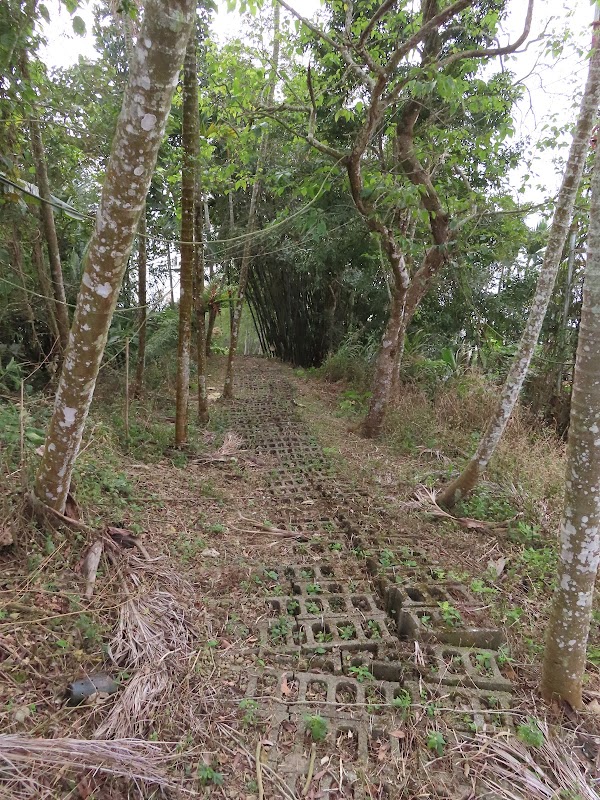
point(503, 656)
point(313, 588)
point(316, 727)
point(313, 608)
point(293, 608)
point(324, 636)
point(479, 587)
point(373, 629)
point(362, 673)
point(403, 701)
point(484, 663)
point(449, 614)
point(347, 632)
point(279, 630)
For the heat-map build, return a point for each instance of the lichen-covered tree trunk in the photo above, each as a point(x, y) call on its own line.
point(247, 253)
point(47, 216)
point(186, 275)
point(559, 229)
point(140, 129)
point(142, 302)
point(565, 656)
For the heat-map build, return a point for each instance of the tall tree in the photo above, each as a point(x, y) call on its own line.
point(566, 640)
point(467, 480)
point(247, 252)
point(140, 128)
point(142, 303)
point(403, 63)
point(186, 276)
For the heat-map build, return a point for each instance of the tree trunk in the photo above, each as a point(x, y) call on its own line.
point(384, 368)
point(212, 318)
point(468, 479)
point(247, 253)
point(140, 129)
point(142, 302)
point(186, 274)
point(45, 286)
point(565, 656)
point(47, 215)
point(170, 268)
point(18, 263)
point(201, 357)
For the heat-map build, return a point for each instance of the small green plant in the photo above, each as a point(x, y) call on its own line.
point(484, 661)
point(313, 608)
point(513, 615)
point(436, 742)
point(337, 547)
point(324, 636)
point(449, 614)
point(293, 608)
point(270, 573)
point(316, 727)
point(479, 587)
point(530, 734)
point(386, 558)
point(362, 673)
point(374, 631)
point(403, 702)
point(306, 574)
point(503, 656)
point(313, 588)
point(347, 632)
point(250, 709)
point(207, 775)
point(279, 630)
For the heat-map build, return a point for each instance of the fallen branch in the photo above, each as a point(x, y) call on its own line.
point(90, 566)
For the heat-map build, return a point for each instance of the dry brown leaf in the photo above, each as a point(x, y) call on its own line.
point(285, 688)
point(398, 734)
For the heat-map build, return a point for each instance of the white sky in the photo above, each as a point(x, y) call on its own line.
point(552, 87)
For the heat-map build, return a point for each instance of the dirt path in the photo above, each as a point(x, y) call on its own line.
point(363, 669)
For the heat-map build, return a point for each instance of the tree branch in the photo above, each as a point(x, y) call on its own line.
point(493, 51)
point(340, 48)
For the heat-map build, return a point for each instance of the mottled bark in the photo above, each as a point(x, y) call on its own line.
point(47, 216)
point(565, 656)
point(236, 319)
point(186, 274)
point(559, 229)
point(143, 310)
point(140, 129)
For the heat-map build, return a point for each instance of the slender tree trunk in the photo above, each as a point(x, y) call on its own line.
point(142, 302)
point(47, 215)
point(564, 319)
point(468, 479)
point(186, 274)
point(170, 268)
point(45, 286)
point(212, 318)
point(18, 263)
point(565, 656)
point(228, 388)
point(202, 360)
point(140, 129)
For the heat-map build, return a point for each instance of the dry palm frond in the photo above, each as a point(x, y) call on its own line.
point(154, 636)
point(23, 757)
point(232, 444)
point(424, 499)
point(516, 772)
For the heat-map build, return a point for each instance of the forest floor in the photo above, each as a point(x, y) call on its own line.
point(294, 623)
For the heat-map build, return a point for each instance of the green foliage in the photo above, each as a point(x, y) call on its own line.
point(449, 614)
point(436, 742)
point(207, 775)
point(316, 727)
point(361, 673)
point(530, 734)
